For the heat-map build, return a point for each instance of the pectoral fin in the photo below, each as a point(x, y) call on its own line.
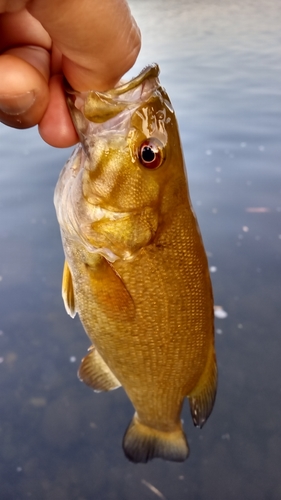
point(110, 292)
point(95, 373)
point(67, 291)
point(202, 398)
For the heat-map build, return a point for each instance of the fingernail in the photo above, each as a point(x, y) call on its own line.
point(17, 104)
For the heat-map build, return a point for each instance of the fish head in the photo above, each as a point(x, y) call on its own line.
point(130, 163)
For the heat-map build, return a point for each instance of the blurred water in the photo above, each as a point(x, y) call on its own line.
point(221, 65)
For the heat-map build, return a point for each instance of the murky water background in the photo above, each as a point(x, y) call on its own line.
point(221, 64)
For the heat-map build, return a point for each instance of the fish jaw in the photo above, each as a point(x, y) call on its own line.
point(92, 107)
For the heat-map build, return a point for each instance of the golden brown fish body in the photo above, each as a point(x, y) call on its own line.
point(136, 270)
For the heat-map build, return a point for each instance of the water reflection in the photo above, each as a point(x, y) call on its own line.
point(221, 65)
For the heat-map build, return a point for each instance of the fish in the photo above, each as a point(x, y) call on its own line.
point(135, 270)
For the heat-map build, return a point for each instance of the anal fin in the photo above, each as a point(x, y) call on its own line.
point(67, 291)
point(95, 373)
point(142, 443)
point(202, 398)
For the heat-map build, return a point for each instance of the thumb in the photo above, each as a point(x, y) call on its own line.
point(99, 41)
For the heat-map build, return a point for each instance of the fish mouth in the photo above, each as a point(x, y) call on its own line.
point(99, 107)
point(93, 112)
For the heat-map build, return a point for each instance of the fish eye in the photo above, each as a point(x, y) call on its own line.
point(151, 153)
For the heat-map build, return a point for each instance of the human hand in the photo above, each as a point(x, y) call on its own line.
point(92, 42)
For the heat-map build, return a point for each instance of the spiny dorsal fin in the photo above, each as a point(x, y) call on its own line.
point(67, 291)
point(202, 398)
point(142, 443)
point(94, 372)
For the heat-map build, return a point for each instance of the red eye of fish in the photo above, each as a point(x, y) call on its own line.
point(151, 153)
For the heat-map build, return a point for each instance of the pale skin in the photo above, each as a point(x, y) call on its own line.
point(91, 42)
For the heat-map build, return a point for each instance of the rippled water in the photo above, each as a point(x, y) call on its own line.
point(221, 65)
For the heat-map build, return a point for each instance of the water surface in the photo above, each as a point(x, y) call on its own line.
point(221, 65)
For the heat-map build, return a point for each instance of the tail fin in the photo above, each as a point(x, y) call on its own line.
point(142, 443)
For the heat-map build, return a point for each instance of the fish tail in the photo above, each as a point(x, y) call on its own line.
point(142, 443)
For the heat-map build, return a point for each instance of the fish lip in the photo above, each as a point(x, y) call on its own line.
point(149, 71)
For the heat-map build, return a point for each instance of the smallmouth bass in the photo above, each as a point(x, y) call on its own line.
point(135, 267)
